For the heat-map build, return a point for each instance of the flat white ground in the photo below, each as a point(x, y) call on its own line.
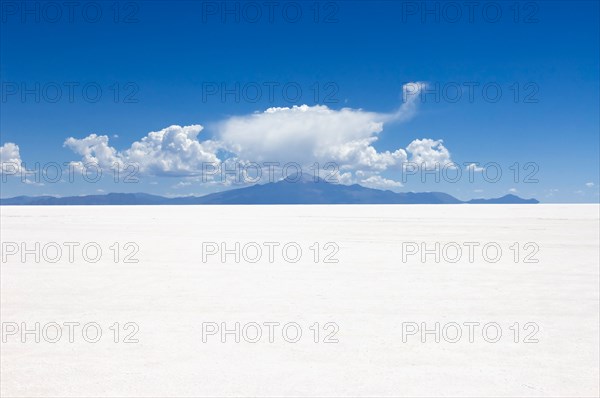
point(369, 294)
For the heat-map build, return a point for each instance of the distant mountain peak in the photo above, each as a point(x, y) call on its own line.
point(304, 178)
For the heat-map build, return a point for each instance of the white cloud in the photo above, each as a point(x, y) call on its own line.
point(94, 149)
point(301, 134)
point(475, 167)
point(28, 181)
point(589, 184)
point(173, 151)
point(378, 182)
point(345, 178)
point(10, 159)
point(513, 190)
point(182, 184)
point(307, 134)
point(429, 153)
point(11, 164)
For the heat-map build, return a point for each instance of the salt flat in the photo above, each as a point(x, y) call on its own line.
point(369, 299)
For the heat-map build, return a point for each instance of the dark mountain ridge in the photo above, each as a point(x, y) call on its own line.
point(281, 192)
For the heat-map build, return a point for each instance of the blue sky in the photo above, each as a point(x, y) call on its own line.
point(159, 64)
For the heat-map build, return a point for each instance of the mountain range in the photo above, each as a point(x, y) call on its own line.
point(281, 192)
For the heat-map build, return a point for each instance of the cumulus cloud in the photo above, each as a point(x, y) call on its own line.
point(589, 184)
point(174, 151)
point(429, 153)
point(305, 134)
point(300, 134)
point(94, 149)
point(10, 159)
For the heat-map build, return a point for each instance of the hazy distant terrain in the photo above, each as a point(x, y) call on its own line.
point(281, 192)
point(371, 291)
